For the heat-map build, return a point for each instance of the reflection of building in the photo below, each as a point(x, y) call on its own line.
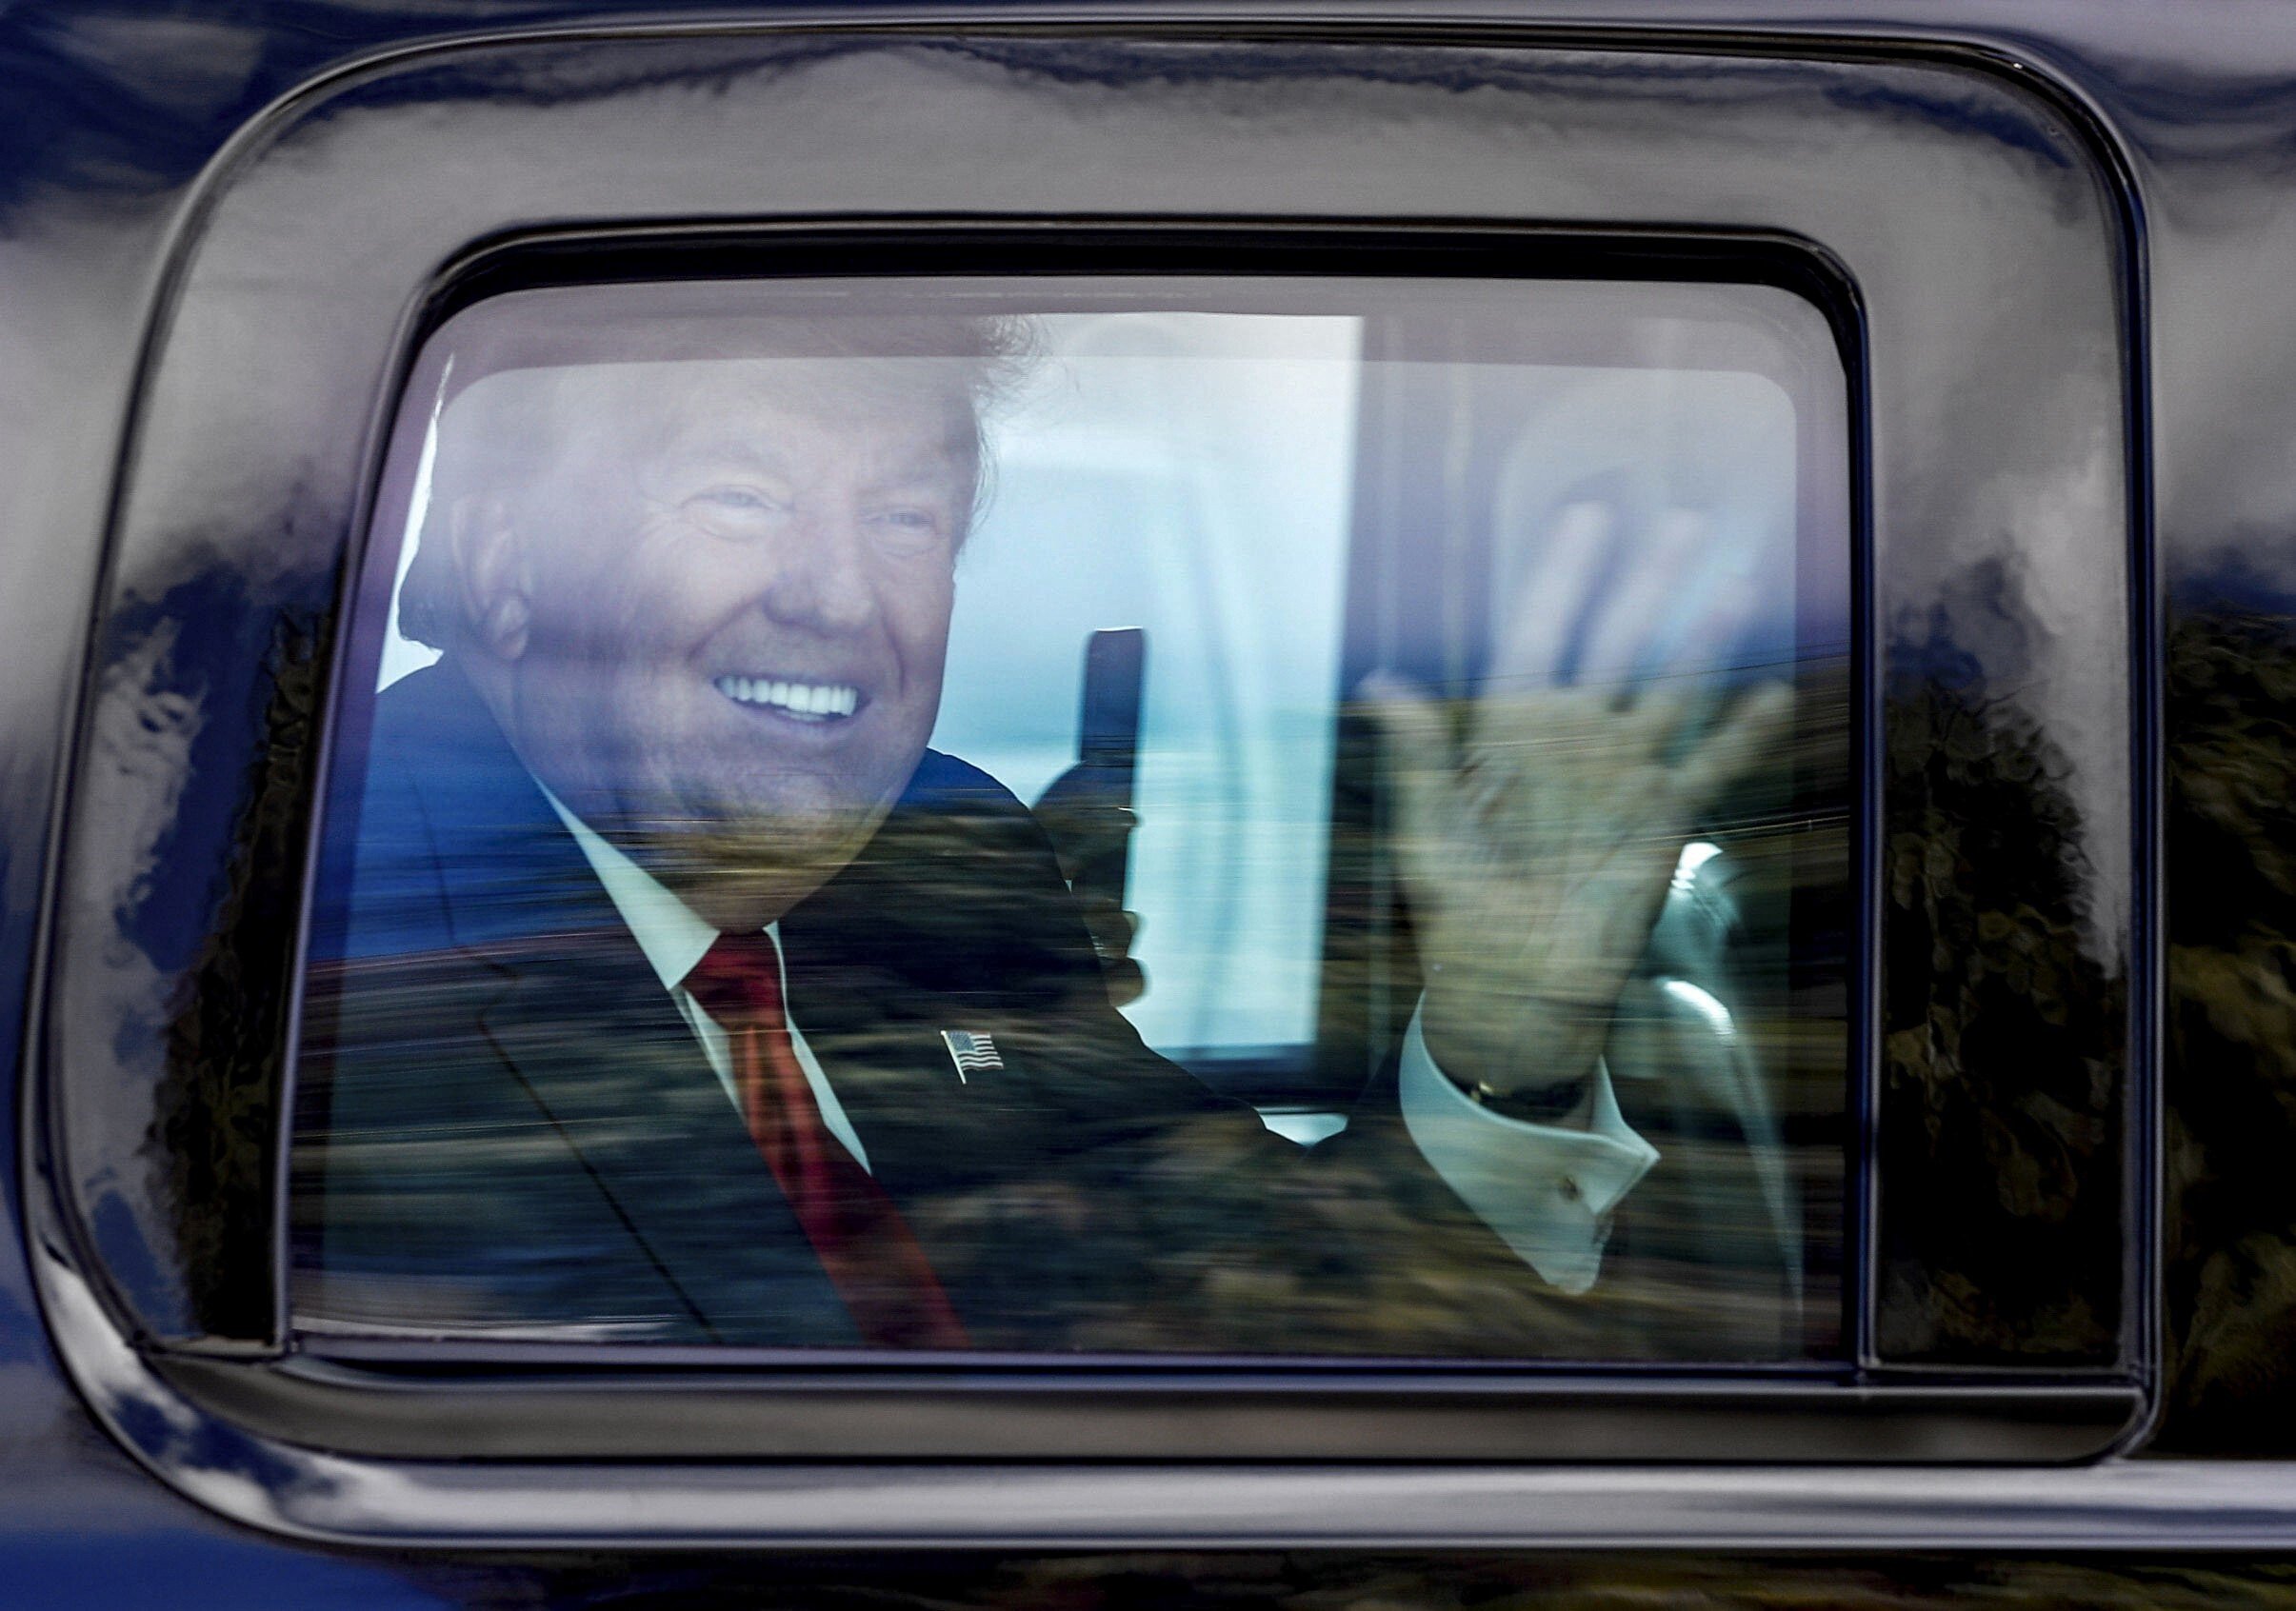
point(1220, 479)
point(1189, 474)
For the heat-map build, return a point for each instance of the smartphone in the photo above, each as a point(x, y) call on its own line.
point(1108, 742)
point(1108, 726)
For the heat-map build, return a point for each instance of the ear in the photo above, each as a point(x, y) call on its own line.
point(496, 583)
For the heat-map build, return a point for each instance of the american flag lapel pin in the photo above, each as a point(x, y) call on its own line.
point(971, 1051)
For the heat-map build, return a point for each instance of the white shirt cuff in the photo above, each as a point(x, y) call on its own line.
point(1548, 1191)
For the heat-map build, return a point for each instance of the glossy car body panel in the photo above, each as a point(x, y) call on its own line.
point(244, 484)
point(122, 120)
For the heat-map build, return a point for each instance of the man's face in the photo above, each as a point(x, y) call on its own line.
point(740, 584)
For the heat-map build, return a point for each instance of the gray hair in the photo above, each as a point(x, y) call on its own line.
point(510, 432)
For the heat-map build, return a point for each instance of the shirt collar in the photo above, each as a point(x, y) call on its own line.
point(666, 930)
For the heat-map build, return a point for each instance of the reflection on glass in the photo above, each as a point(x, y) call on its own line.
point(891, 817)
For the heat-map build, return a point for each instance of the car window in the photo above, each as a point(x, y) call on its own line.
point(1239, 817)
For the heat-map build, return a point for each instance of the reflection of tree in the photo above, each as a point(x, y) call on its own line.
point(2230, 1023)
point(215, 1115)
point(2000, 1151)
point(1545, 1579)
point(2002, 1224)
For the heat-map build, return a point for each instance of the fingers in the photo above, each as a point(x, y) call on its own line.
point(1646, 729)
point(1678, 696)
point(1414, 731)
point(1415, 741)
point(1126, 982)
point(1086, 837)
point(1624, 634)
point(1115, 929)
point(1079, 814)
point(1753, 733)
point(1672, 606)
point(1728, 604)
point(1649, 644)
point(1538, 635)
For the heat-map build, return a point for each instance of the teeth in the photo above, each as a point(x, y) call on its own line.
point(818, 700)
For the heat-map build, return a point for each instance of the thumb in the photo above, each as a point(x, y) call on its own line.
point(1415, 743)
point(1414, 732)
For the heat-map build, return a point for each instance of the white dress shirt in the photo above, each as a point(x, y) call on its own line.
point(1548, 1190)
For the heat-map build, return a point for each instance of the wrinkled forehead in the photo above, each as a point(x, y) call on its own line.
point(516, 423)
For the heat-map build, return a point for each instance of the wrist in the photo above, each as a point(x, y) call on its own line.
point(1553, 1104)
point(1534, 1064)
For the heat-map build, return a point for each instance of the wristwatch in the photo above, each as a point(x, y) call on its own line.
point(1548, 1104)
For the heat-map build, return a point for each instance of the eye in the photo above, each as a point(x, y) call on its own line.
point(739, 498)
point(907, 527)
point(735, 510)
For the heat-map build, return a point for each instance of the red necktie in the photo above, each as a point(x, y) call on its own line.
point(871, 1254)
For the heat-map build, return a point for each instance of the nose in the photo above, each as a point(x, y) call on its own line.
point(821, 578)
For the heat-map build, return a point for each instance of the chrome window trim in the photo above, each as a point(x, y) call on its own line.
point(2120, 1503)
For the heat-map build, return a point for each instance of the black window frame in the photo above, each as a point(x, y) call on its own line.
point(1347, 1047)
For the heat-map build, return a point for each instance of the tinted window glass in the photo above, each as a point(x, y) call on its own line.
point(1242, 817)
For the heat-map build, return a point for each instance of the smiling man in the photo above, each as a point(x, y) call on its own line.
point(711, 616)
point(672, 988)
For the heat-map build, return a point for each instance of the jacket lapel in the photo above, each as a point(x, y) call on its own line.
point(582, 1023)
point(914, 939)
point(603, 1051)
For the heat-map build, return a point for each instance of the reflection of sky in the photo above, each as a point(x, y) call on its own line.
point(1189, 474)
point(1192, 474)
point(1645, 441)
point(1197, 485)
point(400, 654)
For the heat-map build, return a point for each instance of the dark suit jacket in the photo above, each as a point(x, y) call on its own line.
point(506, 1127)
